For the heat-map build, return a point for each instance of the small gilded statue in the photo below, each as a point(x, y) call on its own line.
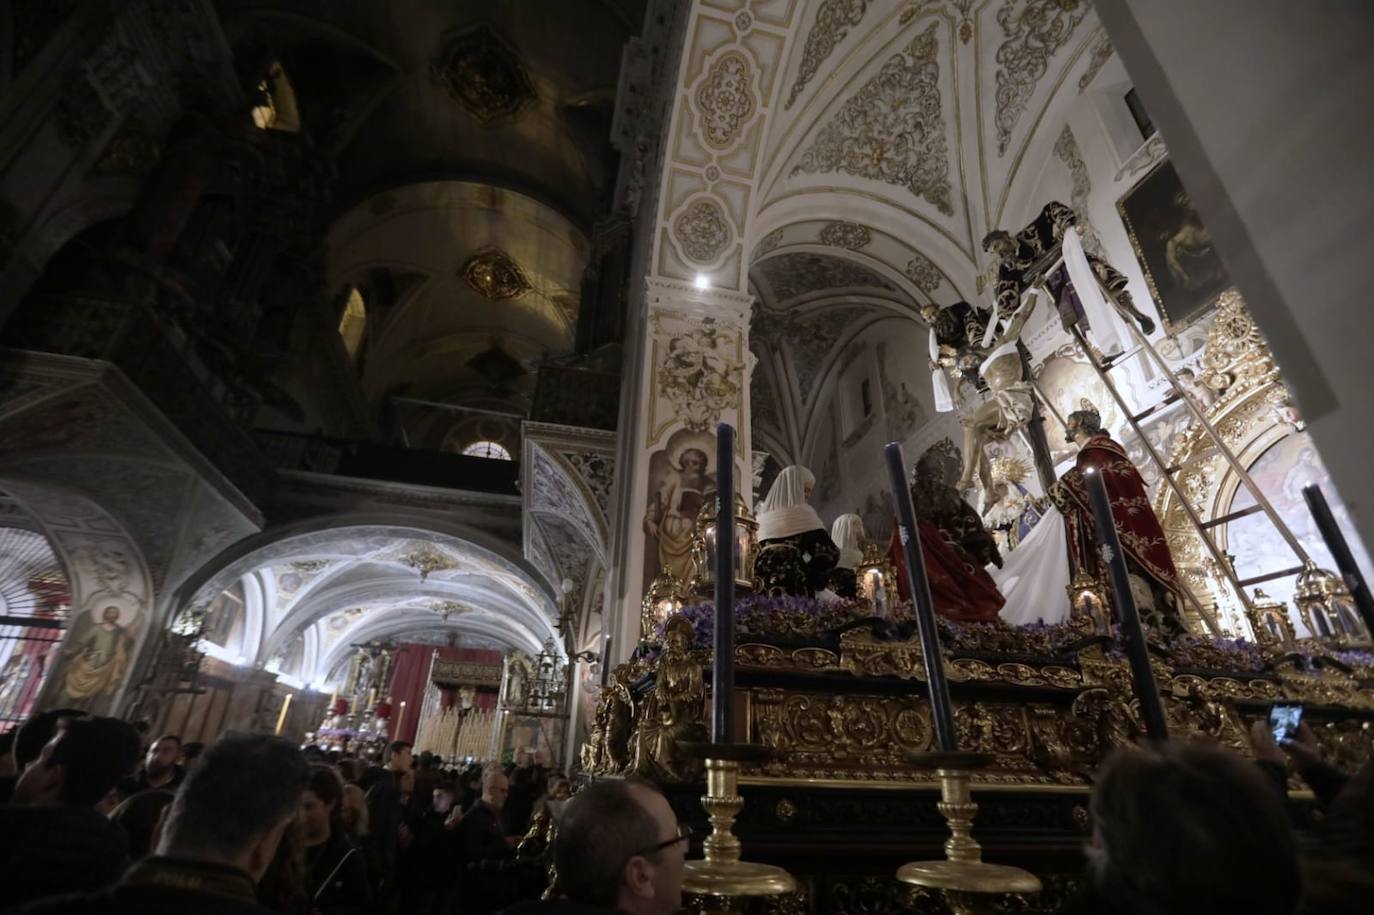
point(607, 751)
point(674, 712)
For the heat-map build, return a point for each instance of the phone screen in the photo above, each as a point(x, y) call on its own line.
point(1284, 719)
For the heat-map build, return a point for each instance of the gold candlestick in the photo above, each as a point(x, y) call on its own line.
point(721, 872)
point(967, 881)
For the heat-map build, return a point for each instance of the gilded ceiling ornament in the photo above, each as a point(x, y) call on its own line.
point(702, 231)
point(965, 8)
point(482, 73)
point(849, 235)
point(492, 273)
point(598, 472)
point(1066, 150)
point(310, 566)
point(834, 19)
point(792, 275)
point(743, 21)
point(700, 373)
point(921, 271)
point(1034, 32)
point(448, 608)
point(769, 242)
point(725, 100)
point(892, 130)
point(1101, 53)
point(427, 561)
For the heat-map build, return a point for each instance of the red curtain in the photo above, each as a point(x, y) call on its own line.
point(410, 678)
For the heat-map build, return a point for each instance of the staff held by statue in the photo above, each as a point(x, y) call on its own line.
point(723, 659)
point(1128, 615)
point(941, 708)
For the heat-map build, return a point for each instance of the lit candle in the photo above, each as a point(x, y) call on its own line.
point(723, 656)
point(400, 720)
point(1340, 551)
point(281, 716)
point(1132, 635)
point(941, 707)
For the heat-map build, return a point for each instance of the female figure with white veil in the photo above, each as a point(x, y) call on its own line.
point(796, 553)
point(848, 534)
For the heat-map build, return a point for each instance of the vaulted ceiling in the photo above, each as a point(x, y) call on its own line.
point(903, 133)
point(471, 142)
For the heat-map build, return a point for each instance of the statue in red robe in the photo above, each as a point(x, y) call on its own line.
point(1142, 538)
point(955, 544)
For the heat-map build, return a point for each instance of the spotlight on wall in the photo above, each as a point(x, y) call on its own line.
point(702, 281)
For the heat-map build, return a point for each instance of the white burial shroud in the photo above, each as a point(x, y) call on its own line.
point(1034, 577)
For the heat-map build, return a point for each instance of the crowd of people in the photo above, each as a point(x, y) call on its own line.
point(255, 824)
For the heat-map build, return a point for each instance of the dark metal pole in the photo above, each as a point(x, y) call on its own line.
point(1128, 615)
point(723, 658)
point(941, 708)
point(1340, 551)
point(1035, 430)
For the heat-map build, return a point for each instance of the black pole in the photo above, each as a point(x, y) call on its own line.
point(723, 658)
point(1128, 615)
point(1035, 430)
point(941, 708)
point(1340, 551)
point(605, 661)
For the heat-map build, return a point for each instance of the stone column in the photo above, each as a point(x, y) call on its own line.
point(695, 374)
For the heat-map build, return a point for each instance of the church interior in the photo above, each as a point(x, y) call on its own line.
point(384, 371)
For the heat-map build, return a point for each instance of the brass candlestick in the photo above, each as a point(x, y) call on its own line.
point(721, 872)
point(967, 881)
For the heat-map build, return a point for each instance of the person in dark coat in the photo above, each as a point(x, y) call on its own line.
point(486, 849)
point(52, 840)
point(336, 872)
point(221, 833)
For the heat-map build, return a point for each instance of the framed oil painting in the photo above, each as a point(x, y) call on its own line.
point(1175, 250)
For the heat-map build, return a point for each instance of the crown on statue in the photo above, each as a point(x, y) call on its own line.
point(1009, 470)
point(1085, 418)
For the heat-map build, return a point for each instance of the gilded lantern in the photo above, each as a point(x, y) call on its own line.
point(665, 597)
point(877, 579)
point(1326, 607)
point(704, 547)
point(1269, 620)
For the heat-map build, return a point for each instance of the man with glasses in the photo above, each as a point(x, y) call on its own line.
point(619, 848)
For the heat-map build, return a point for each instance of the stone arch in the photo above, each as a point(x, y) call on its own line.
point(333, 580)
point(105, 568)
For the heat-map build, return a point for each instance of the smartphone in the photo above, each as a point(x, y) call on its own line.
point(1284, 718)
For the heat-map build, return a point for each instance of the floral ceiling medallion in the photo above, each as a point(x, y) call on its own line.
point(702, 232)
point(427, 561)
point(1034, 31)
point(848, 235)
point(893, 129)
point(492, 273)
point(834, 19)
point(725, 100)
point(482, 73)
point(921, 271)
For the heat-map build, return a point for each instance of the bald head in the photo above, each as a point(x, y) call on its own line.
point(619, 847)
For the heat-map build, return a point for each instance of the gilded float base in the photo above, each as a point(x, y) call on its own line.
point(721, 872)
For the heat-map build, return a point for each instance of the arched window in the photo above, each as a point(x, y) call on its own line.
point(353, 323)
point(492, 450)
point(275, 107)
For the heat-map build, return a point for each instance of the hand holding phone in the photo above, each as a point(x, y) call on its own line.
point(1284, 719)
